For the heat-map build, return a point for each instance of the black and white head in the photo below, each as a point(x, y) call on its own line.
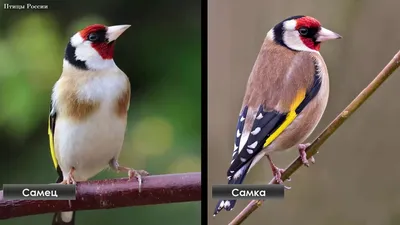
point(93, 47)
point(301, 33)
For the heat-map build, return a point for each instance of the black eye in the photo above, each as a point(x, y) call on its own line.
point(303, 31)
point(93, 37)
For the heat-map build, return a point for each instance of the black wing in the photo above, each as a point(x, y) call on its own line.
point(265, 124)
point(52, 125)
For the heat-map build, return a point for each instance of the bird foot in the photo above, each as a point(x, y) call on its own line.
point(303, 154)
point(70, 178)
point(135, 173)
point(277, 172)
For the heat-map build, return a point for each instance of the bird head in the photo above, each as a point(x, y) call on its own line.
point(301, 33)
point(93, 47)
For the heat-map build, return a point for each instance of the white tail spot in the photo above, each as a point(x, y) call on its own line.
point(227, 204)
point(237, 174)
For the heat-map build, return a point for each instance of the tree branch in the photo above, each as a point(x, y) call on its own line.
point(335, 124)
point(113, 193)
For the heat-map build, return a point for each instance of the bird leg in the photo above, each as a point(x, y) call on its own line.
point(303, 154)
point(70, 178)
point(131, 172)
point(277, 172)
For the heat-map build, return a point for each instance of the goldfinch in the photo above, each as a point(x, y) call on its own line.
point(286, 95)
point(88, 110)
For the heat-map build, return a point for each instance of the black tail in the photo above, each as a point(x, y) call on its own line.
point(63, 218)
point(229, 204)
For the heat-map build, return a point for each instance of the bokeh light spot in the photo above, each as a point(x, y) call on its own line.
point(185, 164)
point(152, 136)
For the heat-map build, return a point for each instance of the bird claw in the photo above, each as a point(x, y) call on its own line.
point(278, 177)
point(131, 172)
point(287, 187)
point(70, 178)
point(138, 175)
point(303, 154)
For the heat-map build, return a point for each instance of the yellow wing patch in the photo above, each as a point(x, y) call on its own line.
point(51, 141)
point(289, 118)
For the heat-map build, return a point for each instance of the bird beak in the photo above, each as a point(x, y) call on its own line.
point(113, 32)
point(325, 35)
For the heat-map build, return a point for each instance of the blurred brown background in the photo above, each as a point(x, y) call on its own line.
point(355, 180)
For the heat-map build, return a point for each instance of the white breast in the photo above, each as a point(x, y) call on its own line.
point(103, 88)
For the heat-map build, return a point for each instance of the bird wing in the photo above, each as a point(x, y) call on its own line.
point(51, 129)
point(271, 104)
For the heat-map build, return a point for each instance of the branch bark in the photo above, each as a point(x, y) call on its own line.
point(333, 126)
point(113, 193)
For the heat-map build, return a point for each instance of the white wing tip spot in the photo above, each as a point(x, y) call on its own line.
point(253, 145)
point(260, 116)
point(242, 159)
point(241, 119)
point(238, 133)
point(256, 131)
point(250, 151)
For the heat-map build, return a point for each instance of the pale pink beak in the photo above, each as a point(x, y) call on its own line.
point(325, 35)
point(113, 32)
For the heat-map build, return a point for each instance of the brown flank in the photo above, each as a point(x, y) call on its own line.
point(123, 102)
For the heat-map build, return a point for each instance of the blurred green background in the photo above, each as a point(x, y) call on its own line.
point(161, 55)
point(355, 180)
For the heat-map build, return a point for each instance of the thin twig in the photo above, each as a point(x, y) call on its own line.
point(333, 126)
point(113, 193)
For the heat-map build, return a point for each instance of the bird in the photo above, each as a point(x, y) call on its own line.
point(286, 95)
point(88, 110)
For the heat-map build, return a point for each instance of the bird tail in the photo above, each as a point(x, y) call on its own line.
point(64, 218)
point(236, 179)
